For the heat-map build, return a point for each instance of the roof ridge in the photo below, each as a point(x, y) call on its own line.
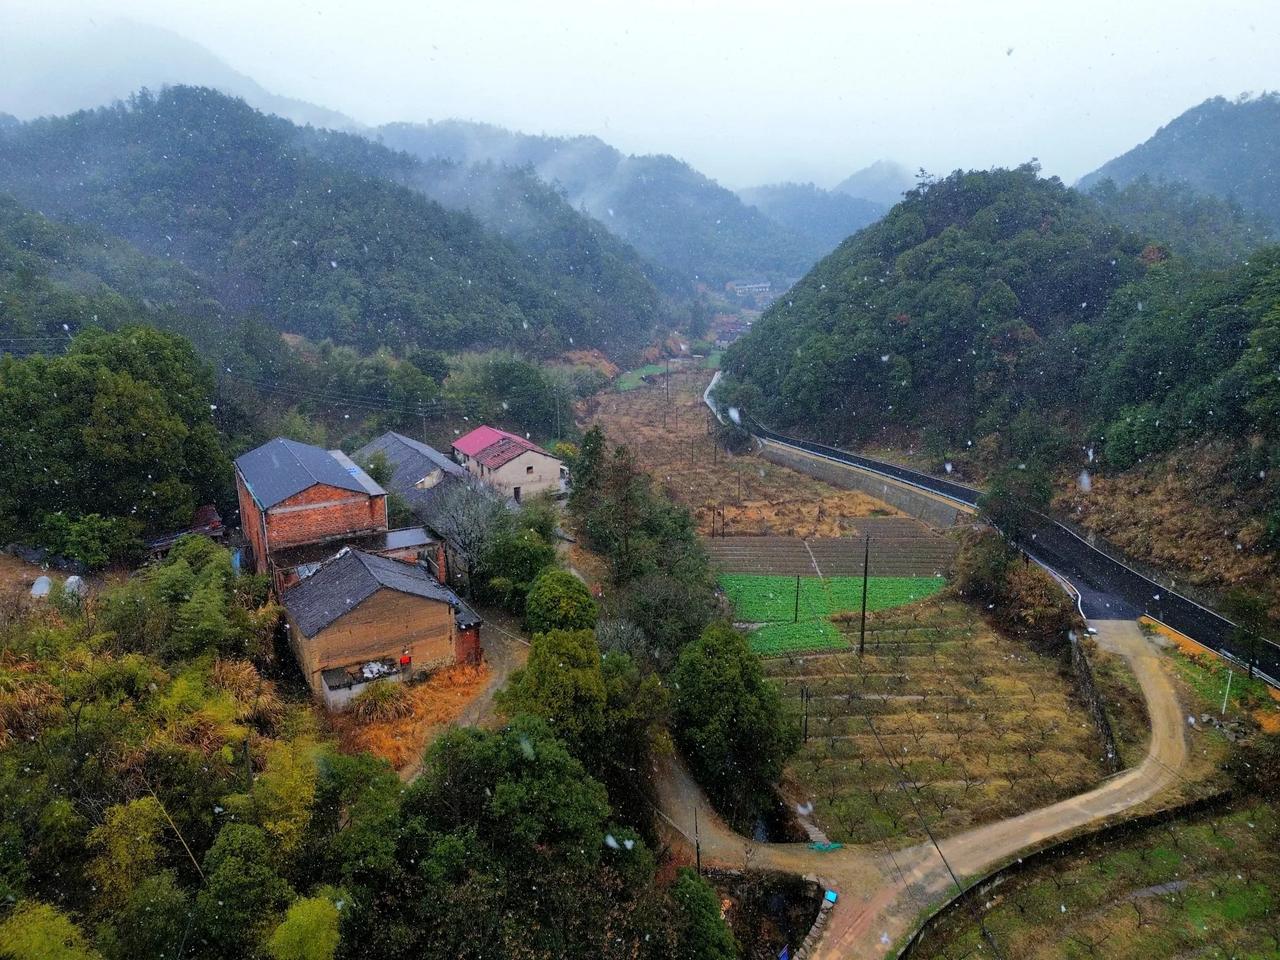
point(289, 443)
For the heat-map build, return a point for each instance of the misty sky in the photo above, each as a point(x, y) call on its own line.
point(747, 92)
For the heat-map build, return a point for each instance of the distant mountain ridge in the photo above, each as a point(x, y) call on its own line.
point(72, 70)
point(682, 220)
point(883, 182)
point(1228, 148)
point(824, 215)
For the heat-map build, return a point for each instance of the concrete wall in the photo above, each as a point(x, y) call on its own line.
point(532, 471)
point(925, 506)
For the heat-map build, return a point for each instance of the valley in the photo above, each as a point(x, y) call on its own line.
point(436, 518)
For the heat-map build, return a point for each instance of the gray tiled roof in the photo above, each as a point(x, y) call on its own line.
point(411, 461)
point(350, 578)
point(281, 468)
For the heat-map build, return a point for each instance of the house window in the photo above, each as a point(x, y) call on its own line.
point(515, 494)
point(528, 471)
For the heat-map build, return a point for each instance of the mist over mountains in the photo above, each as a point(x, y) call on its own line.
point(80, 68)
point(670, 212)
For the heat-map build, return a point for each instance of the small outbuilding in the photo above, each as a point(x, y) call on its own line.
point(359, 618)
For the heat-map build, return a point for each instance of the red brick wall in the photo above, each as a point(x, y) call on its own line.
point(321, 512)
point(466, 645)
point(251, 525)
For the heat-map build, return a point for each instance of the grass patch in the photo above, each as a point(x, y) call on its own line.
point(758, 598)
point(632, 379)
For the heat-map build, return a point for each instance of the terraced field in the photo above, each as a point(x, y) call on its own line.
point(941, 717)
point(910, 550)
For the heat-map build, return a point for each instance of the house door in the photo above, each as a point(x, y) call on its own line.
point(515, 493)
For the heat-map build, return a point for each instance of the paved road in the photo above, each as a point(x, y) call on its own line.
point(883, 892)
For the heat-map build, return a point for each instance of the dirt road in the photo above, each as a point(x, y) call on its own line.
point(882, 891)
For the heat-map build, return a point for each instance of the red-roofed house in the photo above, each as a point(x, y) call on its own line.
point(513, 464)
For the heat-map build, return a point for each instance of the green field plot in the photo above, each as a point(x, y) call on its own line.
point(777, 638)
point(772, 599)
point(634, 378)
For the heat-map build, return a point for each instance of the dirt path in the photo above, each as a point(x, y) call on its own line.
point(883, 892)
point(504, 653)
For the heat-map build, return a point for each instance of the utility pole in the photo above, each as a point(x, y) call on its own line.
point(668, 381)
point(1227, 692)
point(697, 842)
point(804, 701)
point(739, 483)
point(866, 559)
point(796, 619)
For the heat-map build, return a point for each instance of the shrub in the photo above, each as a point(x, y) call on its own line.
point(559, 601)
point(92, 539)
point(382, 700)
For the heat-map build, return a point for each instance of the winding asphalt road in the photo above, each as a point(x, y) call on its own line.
point(883, 892)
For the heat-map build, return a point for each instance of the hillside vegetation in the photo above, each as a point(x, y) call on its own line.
point(1006, 321)
point(315, 246)
point(1228, 148)
point(1213, 231)
point(671, 213)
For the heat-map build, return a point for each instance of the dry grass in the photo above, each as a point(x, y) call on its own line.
point(975, 727)
point(383, 701)
point(16, 576)
point(1182, 513)
point(757, 496)
point(433, 704)
point(257, 700)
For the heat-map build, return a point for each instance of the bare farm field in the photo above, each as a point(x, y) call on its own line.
point(673, 442)
point(941, 717)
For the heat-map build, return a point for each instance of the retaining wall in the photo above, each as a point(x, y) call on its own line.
point(917, 503)
point(1087, 691)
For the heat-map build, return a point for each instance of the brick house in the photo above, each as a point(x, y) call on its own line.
point(512, 464)
point(358, 618)
point(294, 493)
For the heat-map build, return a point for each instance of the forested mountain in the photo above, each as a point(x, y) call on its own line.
point(954, 310)
point(82, 66)
point(825, 216)
point(1210, 230)
point(883, 182)
point(672, 214)
point(1229, 148)
point(312, 245)
point(1004, 317)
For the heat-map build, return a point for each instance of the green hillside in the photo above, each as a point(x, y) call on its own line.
point(318, 246)
point(1004, 320)
point(1229, 148)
